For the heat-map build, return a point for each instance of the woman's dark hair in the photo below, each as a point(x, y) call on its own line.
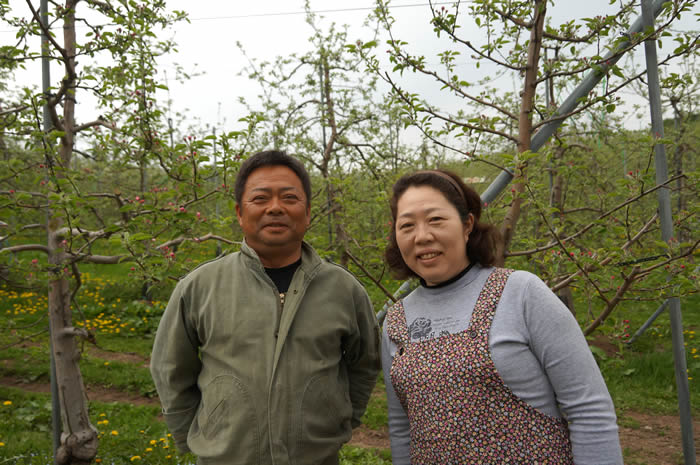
point(271, 158)
point(484, 240)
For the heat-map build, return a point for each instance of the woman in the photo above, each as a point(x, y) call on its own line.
point(482, 365)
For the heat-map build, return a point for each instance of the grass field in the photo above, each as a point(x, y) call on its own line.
point(124, 409)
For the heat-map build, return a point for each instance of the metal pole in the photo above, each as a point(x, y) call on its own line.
point(664, 197)
point(45, 86)
point(649, 321)
point(406, 287)
point(588, 83)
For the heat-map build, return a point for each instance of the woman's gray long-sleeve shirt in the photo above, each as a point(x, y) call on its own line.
point(537, 348)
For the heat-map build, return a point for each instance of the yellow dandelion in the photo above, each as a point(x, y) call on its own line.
point(148, 449)
point(2, 444)
point(114, 432)
point(135, 458)
point(152, 442)
point(7, 402)
point(168, 456)
point(106, 363)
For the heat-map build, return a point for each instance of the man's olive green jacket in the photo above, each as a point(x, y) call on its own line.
point(243, 380)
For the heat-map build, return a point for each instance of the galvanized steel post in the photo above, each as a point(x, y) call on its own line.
point(664, 196)
point(45, 86)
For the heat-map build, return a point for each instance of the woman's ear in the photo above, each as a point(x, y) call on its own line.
point(468, 226)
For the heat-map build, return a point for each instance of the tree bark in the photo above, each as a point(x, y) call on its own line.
point(525, 124)
point(335, 210)
point(79, 438)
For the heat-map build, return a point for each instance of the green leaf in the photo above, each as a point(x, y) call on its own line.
point(370, 44)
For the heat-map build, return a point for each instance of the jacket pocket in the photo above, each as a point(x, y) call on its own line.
point(226, 425)
point(325, 416)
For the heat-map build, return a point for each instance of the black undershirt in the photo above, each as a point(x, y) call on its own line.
point(282, 277)
point(449, 281)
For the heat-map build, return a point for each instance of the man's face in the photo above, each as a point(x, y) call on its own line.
point(273, 214)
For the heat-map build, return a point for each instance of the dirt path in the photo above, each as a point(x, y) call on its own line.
point(94, 392)
point(646, 439)
point(654, 439)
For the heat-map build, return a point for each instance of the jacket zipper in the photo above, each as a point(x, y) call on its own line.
point(280, 303)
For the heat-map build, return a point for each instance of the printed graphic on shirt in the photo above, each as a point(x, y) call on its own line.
point(420, 329)
point(423, 329)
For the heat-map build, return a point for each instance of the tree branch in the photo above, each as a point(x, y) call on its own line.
point(593, 223)
point(25, 248)
point(369, 275)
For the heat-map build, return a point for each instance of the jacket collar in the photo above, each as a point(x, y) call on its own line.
point(310, 260)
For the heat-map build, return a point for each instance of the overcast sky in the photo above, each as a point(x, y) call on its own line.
point(270, 28)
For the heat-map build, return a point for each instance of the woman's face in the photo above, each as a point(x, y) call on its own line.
point(430, 234)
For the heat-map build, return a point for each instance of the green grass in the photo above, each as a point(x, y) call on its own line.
point(375, 416)
point(141, 346)
point(128, 434)
point(125, 432)
point(32, 364)
point(641, 376)
point(645, 382)
point(121, 375)
point(350, 455)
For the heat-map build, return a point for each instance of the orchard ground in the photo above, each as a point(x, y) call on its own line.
point(125, 408)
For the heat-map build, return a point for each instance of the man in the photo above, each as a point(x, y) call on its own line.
point(267, 355)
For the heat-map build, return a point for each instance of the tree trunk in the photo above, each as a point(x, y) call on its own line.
point(333, 206)
point(79, 438)
point(525, 123)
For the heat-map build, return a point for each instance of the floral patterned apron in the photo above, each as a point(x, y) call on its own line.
point(459, 409)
